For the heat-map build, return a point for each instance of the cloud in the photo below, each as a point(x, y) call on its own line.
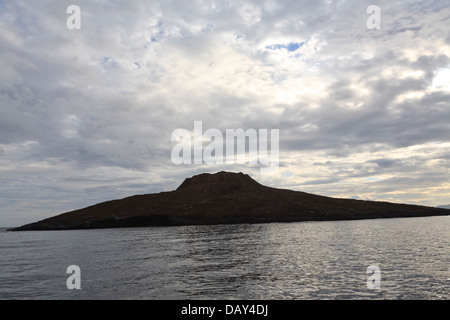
point(87, 114)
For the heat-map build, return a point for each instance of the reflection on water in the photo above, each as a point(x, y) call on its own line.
point(314, 260)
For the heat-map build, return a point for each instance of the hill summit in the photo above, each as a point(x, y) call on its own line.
point(224, 198)
point(220, 183)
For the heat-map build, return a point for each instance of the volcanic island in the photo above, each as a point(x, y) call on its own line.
point(225, 198)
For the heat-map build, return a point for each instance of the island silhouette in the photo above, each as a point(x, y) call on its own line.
point(225, 198)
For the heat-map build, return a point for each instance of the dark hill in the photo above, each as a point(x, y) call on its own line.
point(224, 197)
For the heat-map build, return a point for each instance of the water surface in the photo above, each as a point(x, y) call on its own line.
point(308, 260)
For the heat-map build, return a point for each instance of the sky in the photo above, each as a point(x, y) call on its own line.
point(87, 114)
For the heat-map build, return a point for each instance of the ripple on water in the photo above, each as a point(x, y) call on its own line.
point(314, 260)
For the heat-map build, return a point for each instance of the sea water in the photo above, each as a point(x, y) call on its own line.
point(306, 260)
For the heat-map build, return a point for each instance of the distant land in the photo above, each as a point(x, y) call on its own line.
point(445, 206)
point(225, 198)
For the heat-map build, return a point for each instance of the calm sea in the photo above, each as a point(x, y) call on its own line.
point(310, 260)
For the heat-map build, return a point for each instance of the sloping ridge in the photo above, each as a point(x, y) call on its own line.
point(224, 197)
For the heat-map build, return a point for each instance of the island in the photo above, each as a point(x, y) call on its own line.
point(225, 198)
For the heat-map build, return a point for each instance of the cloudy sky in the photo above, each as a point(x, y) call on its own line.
point(87, 115)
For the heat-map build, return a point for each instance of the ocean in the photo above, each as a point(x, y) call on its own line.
point(404, 258)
